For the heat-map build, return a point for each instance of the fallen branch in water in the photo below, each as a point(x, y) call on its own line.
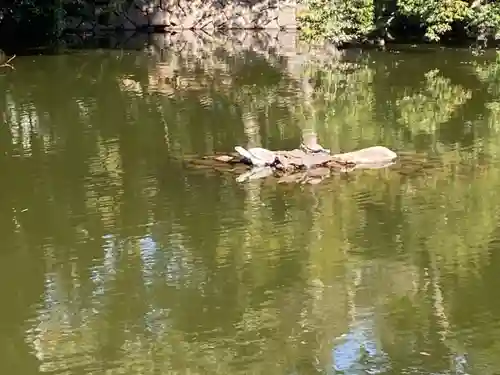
point(7, 63)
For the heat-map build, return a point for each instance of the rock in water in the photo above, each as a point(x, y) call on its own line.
point(370, 155)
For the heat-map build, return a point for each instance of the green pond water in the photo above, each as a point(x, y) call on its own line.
point(117, 258)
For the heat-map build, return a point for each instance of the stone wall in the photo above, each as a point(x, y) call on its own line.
point(183, 15)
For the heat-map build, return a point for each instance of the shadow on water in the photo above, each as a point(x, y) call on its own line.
point(116, 257)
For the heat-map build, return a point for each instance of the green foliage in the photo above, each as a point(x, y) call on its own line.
point(337, 20)
point(485, 19)
point(340, 21)
point(345, 21)
point(437, 15)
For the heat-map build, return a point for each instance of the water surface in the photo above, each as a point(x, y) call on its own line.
point(116, 258)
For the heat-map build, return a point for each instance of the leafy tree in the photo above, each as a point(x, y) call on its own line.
point(343, 21)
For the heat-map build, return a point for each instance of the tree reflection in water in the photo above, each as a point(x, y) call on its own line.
point(122, 260)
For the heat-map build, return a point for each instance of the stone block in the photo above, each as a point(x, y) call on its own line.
point(204, 14)
point(136, 18)
point(287, 18)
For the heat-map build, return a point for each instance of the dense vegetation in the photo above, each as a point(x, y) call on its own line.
point(340, 21)
point(344, 21)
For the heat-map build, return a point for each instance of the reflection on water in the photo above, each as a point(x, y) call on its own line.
point(118, 259)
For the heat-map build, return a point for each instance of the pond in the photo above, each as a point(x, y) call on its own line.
point(117, 258)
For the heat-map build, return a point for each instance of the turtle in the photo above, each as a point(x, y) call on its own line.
point(258, 156)
point(310, 144)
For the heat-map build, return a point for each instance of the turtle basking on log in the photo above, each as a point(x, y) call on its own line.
point(258, 156)
point(310, 144)
point(311, 163)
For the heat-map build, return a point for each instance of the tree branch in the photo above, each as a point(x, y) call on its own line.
point(7, 63)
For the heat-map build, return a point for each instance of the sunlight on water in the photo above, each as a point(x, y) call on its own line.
point(119, 257)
